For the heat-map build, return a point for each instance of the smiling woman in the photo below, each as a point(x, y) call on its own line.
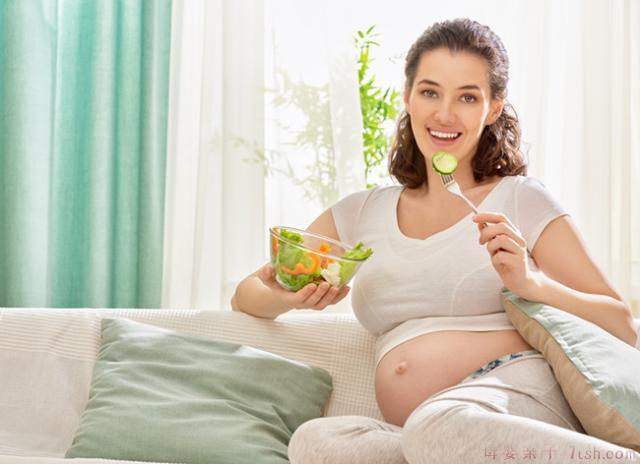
point(449, 111)
point(453, 376)
point(448, 95)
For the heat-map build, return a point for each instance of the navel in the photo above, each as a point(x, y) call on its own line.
point(401, 368)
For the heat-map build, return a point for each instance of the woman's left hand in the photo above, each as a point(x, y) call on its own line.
point(508, 251)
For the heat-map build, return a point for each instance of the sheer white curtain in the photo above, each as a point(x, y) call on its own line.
point(234, 167)
point(214, 212)
point(574, 82)
point(577, 90)
point(312, 110)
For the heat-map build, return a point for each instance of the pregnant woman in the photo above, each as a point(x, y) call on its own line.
point(455, 382)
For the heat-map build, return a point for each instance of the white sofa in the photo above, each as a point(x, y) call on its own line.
point(47, 357)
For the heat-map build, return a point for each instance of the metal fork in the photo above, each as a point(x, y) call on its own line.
point(451, 185)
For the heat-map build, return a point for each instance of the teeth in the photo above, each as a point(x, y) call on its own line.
point(445, 135)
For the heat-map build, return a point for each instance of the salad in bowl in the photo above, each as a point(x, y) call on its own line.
point(299, 258)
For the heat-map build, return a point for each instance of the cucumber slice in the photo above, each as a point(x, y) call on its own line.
point(444, 163)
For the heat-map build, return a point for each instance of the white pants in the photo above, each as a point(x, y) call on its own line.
point(514, 413)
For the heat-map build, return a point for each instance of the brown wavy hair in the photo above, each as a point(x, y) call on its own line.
point(498, 151)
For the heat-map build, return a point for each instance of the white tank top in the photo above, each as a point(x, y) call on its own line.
point(410, 287)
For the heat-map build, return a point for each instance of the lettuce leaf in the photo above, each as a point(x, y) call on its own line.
point(358, 252)
point(347, 268)
point(289, 255)
point(296, 282)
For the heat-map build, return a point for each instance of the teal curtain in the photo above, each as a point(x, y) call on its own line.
point(83, 124)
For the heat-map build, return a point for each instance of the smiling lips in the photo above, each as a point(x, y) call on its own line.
point(443, 137)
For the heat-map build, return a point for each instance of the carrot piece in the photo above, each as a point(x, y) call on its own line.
point(301, 268)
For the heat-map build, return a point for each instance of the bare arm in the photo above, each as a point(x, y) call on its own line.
point(567, 279)
point(573, 282)
point(260, 295)
point(256, 297)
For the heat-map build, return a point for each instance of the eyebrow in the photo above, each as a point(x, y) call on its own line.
point(464, 87)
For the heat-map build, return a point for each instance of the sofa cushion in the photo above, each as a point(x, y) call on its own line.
point(45, 367)
point(599, 374)
point(165, 396)
point(47, 356)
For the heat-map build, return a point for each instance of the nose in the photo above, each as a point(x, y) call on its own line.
point(444, 113)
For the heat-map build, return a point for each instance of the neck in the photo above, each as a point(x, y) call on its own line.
point(435, 189)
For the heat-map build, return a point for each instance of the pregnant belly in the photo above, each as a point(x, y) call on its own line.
point(416, 369)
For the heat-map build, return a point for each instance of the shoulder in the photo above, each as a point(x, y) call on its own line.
point(530, 191)
point(533, 207)
point(361, 199)
point(376, 192)
point(527, 182)
point(368, 205)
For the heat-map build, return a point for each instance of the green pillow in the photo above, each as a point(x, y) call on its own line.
point(599, 374)
point(159, 395)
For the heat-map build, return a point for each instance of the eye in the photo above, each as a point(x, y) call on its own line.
point(428, 93)
point(468, 98)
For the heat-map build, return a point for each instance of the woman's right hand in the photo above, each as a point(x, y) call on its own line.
point(311, 296)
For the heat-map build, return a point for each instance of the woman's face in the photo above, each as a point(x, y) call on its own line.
point(450, 103)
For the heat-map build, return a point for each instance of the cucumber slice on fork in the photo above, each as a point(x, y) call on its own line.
point(444, 163)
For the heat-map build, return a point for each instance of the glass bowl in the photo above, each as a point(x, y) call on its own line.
point(300, 258)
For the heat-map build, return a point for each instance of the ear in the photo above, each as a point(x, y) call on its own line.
point(497, 105)
point(405, 97)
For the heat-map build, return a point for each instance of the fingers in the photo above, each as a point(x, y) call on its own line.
point(493, 218)
point(497, 221)
point(503, 258)
point(504, 243)
point(318, 295)
point(492, 231)
point(305, 293)
point(328, 297)
point(312, 296)
point(266, 272)
point(296, 300)
point(332, 296)
point(267, 275)
point(344, 291)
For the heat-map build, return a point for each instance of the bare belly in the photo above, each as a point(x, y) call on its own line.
point(414, 370)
